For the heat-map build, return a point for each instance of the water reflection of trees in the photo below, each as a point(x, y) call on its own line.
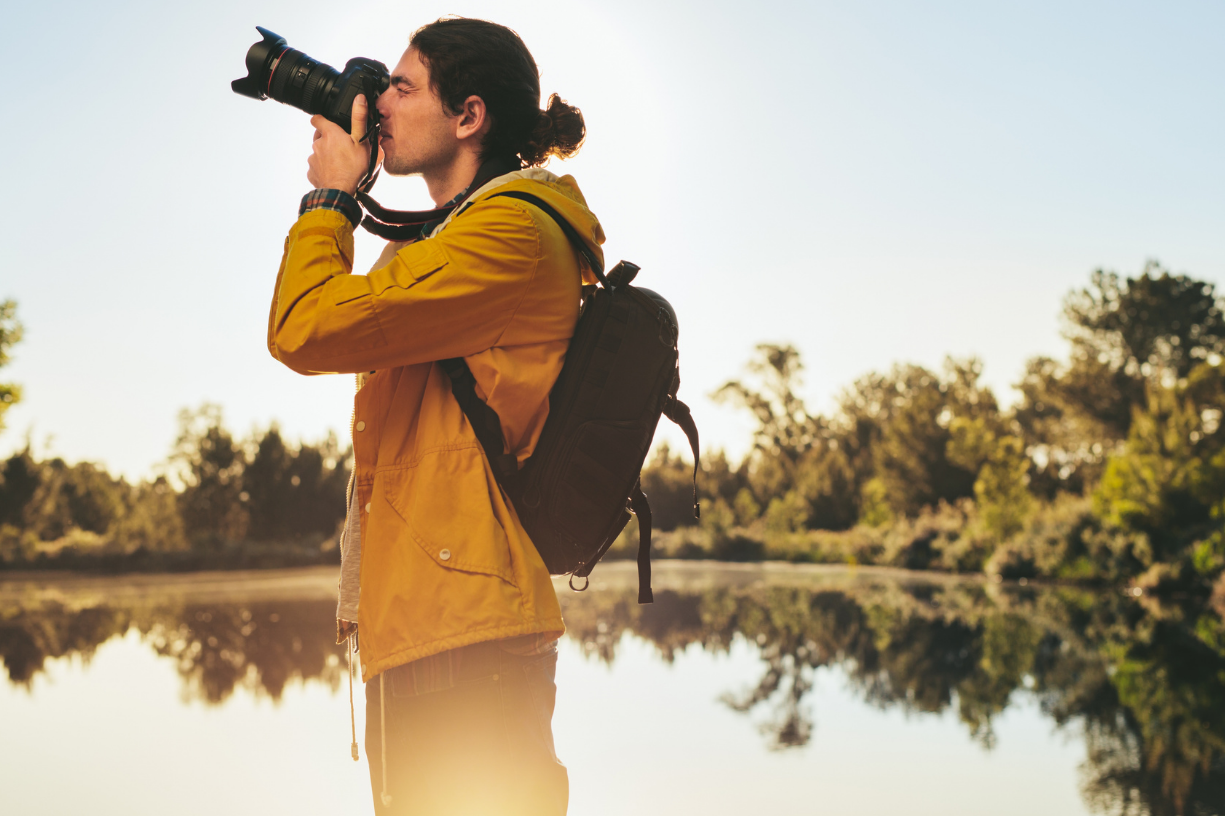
point(217, 647)
point(1143, 681)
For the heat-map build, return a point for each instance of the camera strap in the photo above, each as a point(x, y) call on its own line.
point(405, 225)
point(372, 167)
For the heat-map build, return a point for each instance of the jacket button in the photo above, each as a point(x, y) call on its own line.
point(445, 555)
point(361, 426)
point(367, 507)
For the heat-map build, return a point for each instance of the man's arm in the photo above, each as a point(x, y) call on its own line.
point(450, 296)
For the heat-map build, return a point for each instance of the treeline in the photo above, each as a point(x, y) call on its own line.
point(221, 503)
point(1110, 467)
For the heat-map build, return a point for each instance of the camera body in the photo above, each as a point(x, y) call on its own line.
point(274, 70)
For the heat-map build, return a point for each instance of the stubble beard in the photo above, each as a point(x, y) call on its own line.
point(398, 166)
point(400, 162)
point(418, 157)
point(394, 165)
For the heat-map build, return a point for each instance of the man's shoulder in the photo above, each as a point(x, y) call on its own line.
point(561, 194)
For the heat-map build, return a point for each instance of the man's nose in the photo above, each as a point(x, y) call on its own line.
point(381, 105)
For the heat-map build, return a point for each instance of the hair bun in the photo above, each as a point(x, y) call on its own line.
point(559, 131)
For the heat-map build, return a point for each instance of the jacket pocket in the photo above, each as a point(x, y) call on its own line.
point(446, 500)
point(414, 263)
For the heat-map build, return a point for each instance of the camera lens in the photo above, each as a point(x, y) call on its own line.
point(274, 70)
point(298, 80)
point(285, 74)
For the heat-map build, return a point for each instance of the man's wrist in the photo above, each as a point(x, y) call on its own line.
point(326, 198)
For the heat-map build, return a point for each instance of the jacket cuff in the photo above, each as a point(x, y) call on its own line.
point(328, 199)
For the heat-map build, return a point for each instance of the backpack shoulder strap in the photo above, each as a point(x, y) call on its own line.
point(485, 420)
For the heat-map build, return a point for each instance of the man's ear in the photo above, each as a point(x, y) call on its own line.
point(473, 119)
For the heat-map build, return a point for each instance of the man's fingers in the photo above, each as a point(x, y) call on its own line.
point(358, 115)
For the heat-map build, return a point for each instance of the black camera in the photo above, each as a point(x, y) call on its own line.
point(289, 76)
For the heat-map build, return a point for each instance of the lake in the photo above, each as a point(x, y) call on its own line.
point(743, 689)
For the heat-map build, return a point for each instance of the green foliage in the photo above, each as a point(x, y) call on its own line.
point(667, 481)
point(874, 504)
point(792, 449)
point(53, 513)
point(1154, 324)
point(1132, 420)
point(915, 414)
point(210, 465)
point(1126, 337)
point(914, 468)
point(20, 479)
point(151, 520)
point(1168, 482)
point(746, 508)
point(294, 494)
point(787, 513)
point(10, 334)
point(73, 497)
point(1057, 541)
point(785, 429)
point(1001, 489)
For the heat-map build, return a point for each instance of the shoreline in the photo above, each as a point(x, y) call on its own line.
point(319, 582)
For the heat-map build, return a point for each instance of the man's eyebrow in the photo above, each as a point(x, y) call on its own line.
point(400, 79)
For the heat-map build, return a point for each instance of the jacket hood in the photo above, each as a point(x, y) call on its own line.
point(561, 192)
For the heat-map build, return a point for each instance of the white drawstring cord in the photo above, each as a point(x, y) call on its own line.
point(385, 796)
point(352, 716)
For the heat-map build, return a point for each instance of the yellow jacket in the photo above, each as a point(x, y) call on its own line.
point(445, 560)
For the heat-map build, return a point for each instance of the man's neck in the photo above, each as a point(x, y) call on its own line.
point(451, 180)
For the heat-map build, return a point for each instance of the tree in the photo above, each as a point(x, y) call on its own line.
point(668, 482)
point(1126, 336)
point(796, 455)
point(294, 493)
point(902, 421)
point(10, 334)
point(209, 465)
point(785, 430)
point(74, 497)
point(151, 520)
point(1167, 484)
point(1155, 324)
point(20, 479)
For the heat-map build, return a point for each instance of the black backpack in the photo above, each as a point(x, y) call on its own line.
point(576, 492)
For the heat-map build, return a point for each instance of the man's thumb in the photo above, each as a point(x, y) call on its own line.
point(358, 116)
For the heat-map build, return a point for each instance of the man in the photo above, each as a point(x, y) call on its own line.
point(456, 616)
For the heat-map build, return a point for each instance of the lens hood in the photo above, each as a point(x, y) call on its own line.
point(260, 60)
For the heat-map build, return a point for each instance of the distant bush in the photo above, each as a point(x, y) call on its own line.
point(253, 502)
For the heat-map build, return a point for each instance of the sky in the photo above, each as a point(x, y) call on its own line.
point(873, 182)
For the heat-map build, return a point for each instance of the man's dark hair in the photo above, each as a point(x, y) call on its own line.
point(467, 57)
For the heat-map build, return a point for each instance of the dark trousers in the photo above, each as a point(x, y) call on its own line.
point(470, 734)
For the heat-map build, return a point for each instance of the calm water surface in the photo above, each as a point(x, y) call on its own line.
point(755, 689)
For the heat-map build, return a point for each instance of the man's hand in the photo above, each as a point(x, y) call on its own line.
point(338, 160)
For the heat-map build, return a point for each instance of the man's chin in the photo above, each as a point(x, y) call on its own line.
point(400, 168)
